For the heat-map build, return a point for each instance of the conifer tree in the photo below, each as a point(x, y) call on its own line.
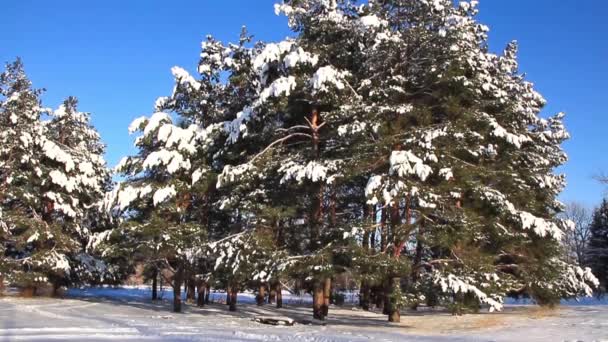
point(597, 250)
point(53, 175)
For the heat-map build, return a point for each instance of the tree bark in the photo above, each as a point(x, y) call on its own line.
point(386, 291)
point(364, 296)
point(56, 288)
point(379, 296)
point(261, 297)
point(272, 295)
point(418, 253)
point(394, 314)
point(207, 293)
point(228, 295)
point(155, 285)
point(383, 233)
point(317, 301)
point(191, 292)
point(202, 289)
point(233, 297)
point(177, 292)
point(279, 292)
point(326, 296)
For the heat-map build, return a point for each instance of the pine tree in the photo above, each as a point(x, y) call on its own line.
point(53, 175)
point(383, 140)
point(20, 172)
point(157, 198)
point(597, 250)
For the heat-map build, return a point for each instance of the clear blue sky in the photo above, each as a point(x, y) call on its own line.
point(115, 56)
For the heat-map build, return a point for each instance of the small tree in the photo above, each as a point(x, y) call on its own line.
point(577, 238)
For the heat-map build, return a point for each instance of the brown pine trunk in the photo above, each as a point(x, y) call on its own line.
point(394, 315)
point(1, 285)
point(379, 296)
point(233, 297)
point(155, 285)
point(317, 301)
point(200, 300)
point(177, 288)
point(272, 295)
point(207, 293)
point(418, 255)
point(326, 296)
point(317, 202)
point(191, 293)
point(383, 232)
point(56, 288)
point(279, 292)
point(386, 291)
point(261, 297)
point(228, 297)
point(364, 296)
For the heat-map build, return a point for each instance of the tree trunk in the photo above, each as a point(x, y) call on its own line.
point(272, 293)
point(1, 284)
point(56, 288)
point(177, 288)
point(279, 292)
point(207, 293)
point(200, 299)
point(317, 301)
point(228, 293)
point(233, 297)
point(154, 285)
point(326, 296)
point(261, 297)
point(383, 233)
point(386, 291)
point(379, 297)
point(191, 292)
point(394, 315)
point(364, 296)
point(418, 255)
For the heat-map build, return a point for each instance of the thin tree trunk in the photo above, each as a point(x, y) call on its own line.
point(317, 301)
point(1, 284)
point(379, 296)
point(177, 292)
point(364, 296)
point(279, 291)
point(233, 298)
point(191, 294)
point(207, 293)
point(228, 295)
point(272, 295)
point(394, 315)
point(383, 233)
point(418, 253)
point(261, 297)
point(326, 296)
point(200, 299)
point(316, 210)
point(56, 288)
point(155, 284)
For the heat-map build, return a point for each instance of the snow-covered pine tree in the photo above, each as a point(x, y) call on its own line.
point(464, 162)
point(83, 188)
point(53, 176)
point(20, 173)
point(413, 155)
point(597, 250)
point(158, 201)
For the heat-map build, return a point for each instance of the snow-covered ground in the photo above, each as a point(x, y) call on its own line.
point(127, 314)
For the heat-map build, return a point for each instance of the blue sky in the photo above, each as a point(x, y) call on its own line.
point(116, 55)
